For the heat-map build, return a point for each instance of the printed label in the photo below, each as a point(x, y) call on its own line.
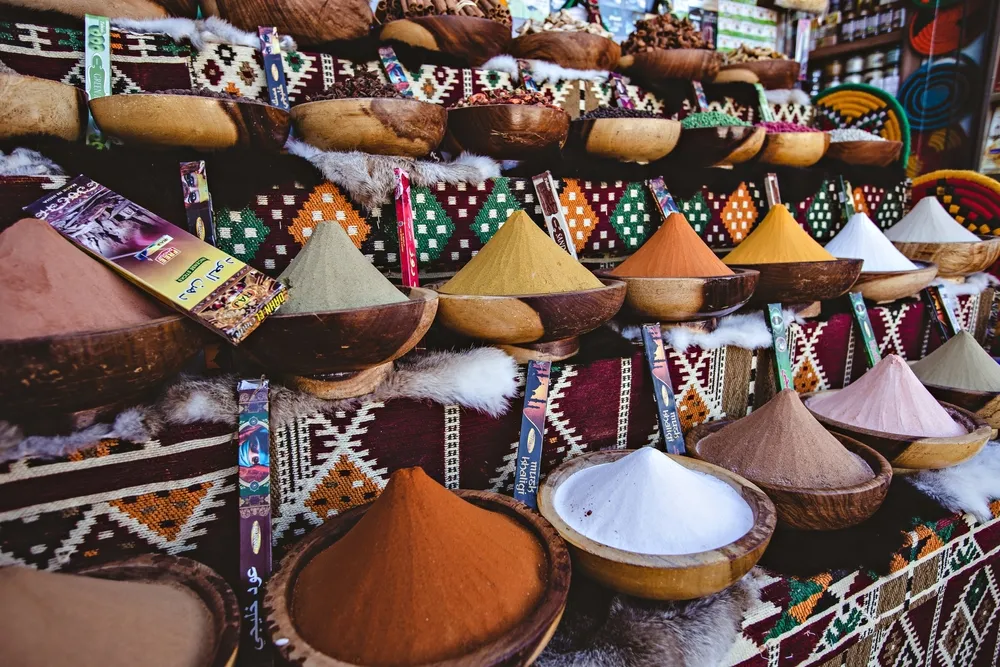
point(620, 91)
point(666, 404)
point(529, 449)
point(664, 200)
point(394, 70)
point(782, 353)
point(865, 326)
point(97, 70)
point(527, 81)
point(404, 230)
point(555, 221)
point(197, 200)
point(274, 66)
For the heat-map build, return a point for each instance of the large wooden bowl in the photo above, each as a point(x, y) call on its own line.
point(683, 577)
point(205, 123)
point(955, 259)
point(793, 149)
point(818, 509)
point(984, 404)
point(576, 50)
point(518, 647)
point(867, 153)
point(907, 452)
point(184, 573)
point(640, 140)
point(773, 74)
point(885, 286)
point(726, 145)
point(382, 126)
point(459, 40)
point(654, 66)
point(125, 9)
point(310, 22)
point(84, 377)
point(802, 282)
point(507, 131)
point(686, 299)
point(32, 106)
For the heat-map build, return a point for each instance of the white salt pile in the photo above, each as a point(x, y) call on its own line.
point(861, 239)
point(646, 503)
point(852, 134)
point(928, 222)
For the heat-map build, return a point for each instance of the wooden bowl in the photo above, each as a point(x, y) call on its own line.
point(868, 153)
point(686, 299)
point(462, 40)
point(793, 149)
point(802, 282)
point(682, 577)
point(886, 286)
point(84, 377)
point(661, 64)
point(576, 50)
point(955, 259)
point(640, 140)
point(184, 573)
point(382, 126)
point(774, 74)
point(205, 123)
point(32, 106)
point(984, 404)
point(708, 146)
point(818, 509)
point(125, 9)
point(507, 131)
point(907, 452)
point(520, 646)
point(549, 323)
point(310, 22)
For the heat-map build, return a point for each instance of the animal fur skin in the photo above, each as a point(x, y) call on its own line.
point(26, 162)
point(199, 33)
point(974, 284)
point(542, 71)
point(747, 331)
point(967, 487)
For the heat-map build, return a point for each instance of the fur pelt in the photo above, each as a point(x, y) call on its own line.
point(6, 69)
point(542, 71)
point(974, 284)
point(745, 330)
point(604, 629)
point(789, 96)
point(128, 425)
point(199, 33)
point(967, 487)
point(26, 162)
point(369, 179)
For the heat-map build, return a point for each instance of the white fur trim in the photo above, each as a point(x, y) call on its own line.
point(967, 487)
point(199, 33)
point(26, 162)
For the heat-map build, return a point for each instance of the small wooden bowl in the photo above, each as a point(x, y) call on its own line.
point(538, 326)
point(507, 131)
point(683, 577)
point(74, 380)
point(661, 64)
point(906, 452)
point(818, 509)
point(518, 647)
point(869, 153)
point(709, 146)
point(32, 106)
point(793, 149)
point(984, 404)
point(802, 282)
point(156, 120)
point(686, 299)
point(310, 22)
point(774, 74)
point(885, 286)
point(640, 140)
point(576, 50)
point(184, 573)
point(381, 126)
point(955, 259)
point(462, 40)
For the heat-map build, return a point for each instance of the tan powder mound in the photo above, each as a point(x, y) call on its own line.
point(49, 287)
point(62, 619)
point(423, 576)
point(782, 444)
point(520, 259)
point(776, 240)
point(961, 363)
point(674, 251)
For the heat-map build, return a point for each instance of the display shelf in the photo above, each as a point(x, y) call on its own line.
point(887, 39)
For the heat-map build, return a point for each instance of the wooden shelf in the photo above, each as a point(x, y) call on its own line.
point(887, 39)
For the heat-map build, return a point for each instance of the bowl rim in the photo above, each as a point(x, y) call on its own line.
point(414, 295)
point(846, 261)
point(785, 61)
point(409, 101)
point(866, 142)
point(475, 107)
point(811, 133)
point(597, 120)
point(759, 535)
point(197, 99)
point(610, 284)
point(977, 393)
point(921, 266)
point(750, 129)
point(951, 245)
point(738, 272)
point(447, 18)
point(562, 33)
point(62, 338)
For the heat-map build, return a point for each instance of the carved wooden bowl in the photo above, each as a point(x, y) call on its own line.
point(32, 106)
point(955, 259)
point(984, 404)
point(184, 573)
point(575, 50)
point(906, 452)
point(74, 380)
point(802, 282)
point(774, 74)
point(725, 145)
point(157, 120)
point(818, 509)
point(640, 140)
point(682, 577)
point(310, 22)
point(885, 286)
point(660, 64)
point(458, 40)
point(870, 153)
point(382, 126)
point(686, 299)
point(793, 149)
point(507, 131)
point(518, 647)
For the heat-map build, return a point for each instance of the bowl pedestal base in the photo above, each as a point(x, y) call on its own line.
point(335, 386)
point(556, 350)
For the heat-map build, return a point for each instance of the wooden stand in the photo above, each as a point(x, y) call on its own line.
point(334, 386)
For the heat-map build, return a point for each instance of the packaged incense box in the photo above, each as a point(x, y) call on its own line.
point(201, 281)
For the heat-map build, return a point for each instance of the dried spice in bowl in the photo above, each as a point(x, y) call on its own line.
point(365, 83)
point(563, 21)
point(391, 10)
point(664, 31)
point(489, 97)
point(711, 119)
point(780, 126)
point(205, 92)
point(618, 112)
point(749, 54)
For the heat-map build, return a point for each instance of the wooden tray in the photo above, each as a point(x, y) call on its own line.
point(640, 140)
point(955, 259)
point(686, 299)
point(793, 149)
point(575, 50)
point(708, 146)
point(156, 120)
point(461, 40)
point(683, 577)
point(869, 153)
point(818, 509)
point(802, 282)
point(507, 131)
point(773, 74)
point(885, 286)
point(661, 64)
point(381, 126)
point(519, 647)
point(31, 106)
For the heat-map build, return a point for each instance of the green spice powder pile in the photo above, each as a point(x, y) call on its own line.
point(711, 119)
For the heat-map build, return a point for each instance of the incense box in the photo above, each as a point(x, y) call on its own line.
point(936, 299)
point(620, 92)
point(274, 68)
point(666, 404)
point(96, 70)
point(529, 450)
point(198, 201)
point(527, 81)
point(664, 200)
point(404, 230)
point(865, 325)
point(217, 290)
point(394, 70)
point(782, 355)
point(555, 221)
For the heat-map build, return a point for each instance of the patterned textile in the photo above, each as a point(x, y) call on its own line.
point(970, 197)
